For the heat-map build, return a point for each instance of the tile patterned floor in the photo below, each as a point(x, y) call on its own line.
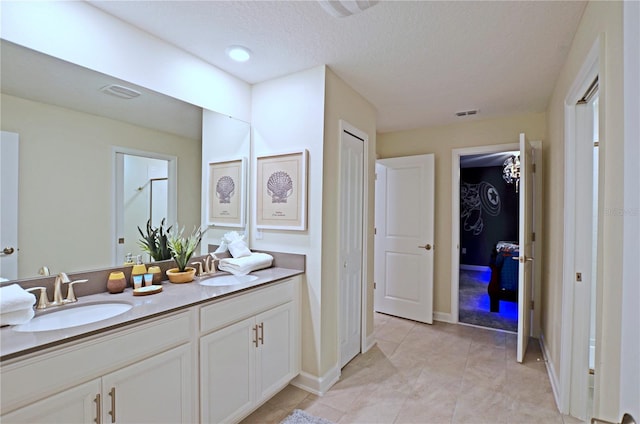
point(440, 373)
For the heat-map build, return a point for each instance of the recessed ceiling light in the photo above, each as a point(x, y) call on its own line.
point(238, 53)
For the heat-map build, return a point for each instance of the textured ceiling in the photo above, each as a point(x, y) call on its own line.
point(417, 62)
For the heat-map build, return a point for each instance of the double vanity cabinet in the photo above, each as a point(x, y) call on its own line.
point(212, 362)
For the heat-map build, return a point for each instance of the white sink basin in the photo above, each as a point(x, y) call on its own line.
point(228, 280)
point(73, 316)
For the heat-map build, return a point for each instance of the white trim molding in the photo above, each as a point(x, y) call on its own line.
point(370, 342)
point(553, 377)
point(584, 78)
point(630, 337)
point(444, 317)
point(317, 385)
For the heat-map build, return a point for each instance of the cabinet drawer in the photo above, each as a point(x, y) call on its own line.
point(225, 312)
point(27, 380)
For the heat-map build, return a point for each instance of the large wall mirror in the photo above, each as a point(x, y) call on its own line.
point(69, 134)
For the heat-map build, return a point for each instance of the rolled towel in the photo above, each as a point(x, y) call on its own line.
point(15, 298)
point(239, 249)
point(17, 317)
point(246, 264)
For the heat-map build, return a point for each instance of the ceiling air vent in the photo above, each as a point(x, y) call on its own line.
point(120, 91)
point(342, 8)
point(467, 112)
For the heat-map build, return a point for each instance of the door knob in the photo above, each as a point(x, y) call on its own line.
point(8, 250)
point(426, 246)
point(522, 259)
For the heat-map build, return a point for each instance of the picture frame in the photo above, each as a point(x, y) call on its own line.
point(281, 191)
point(226, 193)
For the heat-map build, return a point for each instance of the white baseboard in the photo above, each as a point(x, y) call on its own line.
point(369, 343)
point(443, 317)
point(317, 385)
point(553, 378)
point(474, 267)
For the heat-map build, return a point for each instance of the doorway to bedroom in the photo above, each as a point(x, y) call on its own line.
point(489, 225)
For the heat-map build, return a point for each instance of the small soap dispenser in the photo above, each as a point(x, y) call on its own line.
point(138, 269)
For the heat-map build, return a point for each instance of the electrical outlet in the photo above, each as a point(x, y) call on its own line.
point(464, 250)
point(258, 235)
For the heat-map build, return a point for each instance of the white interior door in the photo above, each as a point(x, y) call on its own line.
point(404, 237)
point(351, 254)
point(526, 246)
point(9, 206)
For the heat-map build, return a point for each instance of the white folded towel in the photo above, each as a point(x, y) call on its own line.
point(15, 298)
point(246, 264)
point(17, 317)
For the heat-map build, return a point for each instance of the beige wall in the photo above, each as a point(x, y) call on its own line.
point(604, 20)
point(342, 102)
point(441, 141)
point(66, 182)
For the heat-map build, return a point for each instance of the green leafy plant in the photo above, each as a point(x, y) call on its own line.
point(182, 248)
point(155, 241)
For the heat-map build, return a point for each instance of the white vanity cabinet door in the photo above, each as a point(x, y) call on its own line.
point(154, 390)
point(75, 405)
point(227, 372)
point(276, 360)
point(246, 363)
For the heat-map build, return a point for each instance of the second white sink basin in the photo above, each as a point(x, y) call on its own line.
point(73, 316)
point(228, 280)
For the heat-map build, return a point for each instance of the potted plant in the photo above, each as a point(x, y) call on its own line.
point(182, 248)
point(155, 241)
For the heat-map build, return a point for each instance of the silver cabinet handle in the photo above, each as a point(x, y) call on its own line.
point(261, 333)
point(98, 419)
point(255, 335)
point(112, 393)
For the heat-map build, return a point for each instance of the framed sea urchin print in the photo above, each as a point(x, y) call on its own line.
point(226, 194)
point(281, 185)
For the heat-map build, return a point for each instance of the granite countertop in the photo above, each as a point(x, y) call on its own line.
point(173, 297)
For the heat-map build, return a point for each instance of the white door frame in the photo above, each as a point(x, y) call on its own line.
point(630, 337)
point(571, 315)
point(9, 213)
point(455, 225)
point(117, 195)
point(365, 344)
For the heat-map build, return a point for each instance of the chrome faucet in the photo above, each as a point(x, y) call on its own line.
point(57, 289)
point(206, 267)
point(61, 278)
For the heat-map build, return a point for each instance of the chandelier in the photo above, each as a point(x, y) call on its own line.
point(511, 170)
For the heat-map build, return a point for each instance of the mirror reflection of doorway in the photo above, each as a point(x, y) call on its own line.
point(489, 208)
point(144, 189)
point(145, 197)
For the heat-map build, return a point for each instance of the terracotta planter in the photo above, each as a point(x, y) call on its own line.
point(178, 277)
